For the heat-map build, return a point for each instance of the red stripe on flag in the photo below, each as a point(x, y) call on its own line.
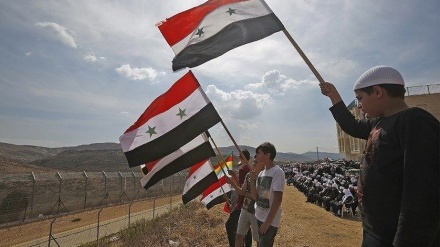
point(180, 90)
point(214, 186)
point(195, 167)
point(177, 27)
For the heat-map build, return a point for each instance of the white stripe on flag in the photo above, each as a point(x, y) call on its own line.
point(215, 21)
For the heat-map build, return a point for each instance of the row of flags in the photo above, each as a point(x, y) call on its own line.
point(171, 134)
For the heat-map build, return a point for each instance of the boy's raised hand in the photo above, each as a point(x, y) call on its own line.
point(330, 91)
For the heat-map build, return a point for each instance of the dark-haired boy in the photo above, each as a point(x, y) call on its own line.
point(269, 194)
point(398, 189)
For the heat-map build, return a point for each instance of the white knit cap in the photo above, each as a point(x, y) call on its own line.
point(379, 75)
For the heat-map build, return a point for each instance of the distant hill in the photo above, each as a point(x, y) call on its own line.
point(100, 157)
point(87, 160)
point(287, 157)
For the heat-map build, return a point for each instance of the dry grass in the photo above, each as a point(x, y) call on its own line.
point(303, 224)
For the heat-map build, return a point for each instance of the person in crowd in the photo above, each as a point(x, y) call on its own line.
point(269, 188)
point(398, 189)
point(247, 220)
point(344, 197)
point(232, 222)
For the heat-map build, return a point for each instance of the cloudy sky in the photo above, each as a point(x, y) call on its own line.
point(76, 72)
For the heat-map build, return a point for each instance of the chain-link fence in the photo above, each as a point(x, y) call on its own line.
point(24, 197)
point(58, 202)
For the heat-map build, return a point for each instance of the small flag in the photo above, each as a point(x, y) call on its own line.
point(191, 153)
point(200, 177)
point(203, 175)
point(216, 192)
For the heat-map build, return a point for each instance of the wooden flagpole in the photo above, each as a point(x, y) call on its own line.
point(301, 53)
point(235, 144)
point(220, 162)
point(218, 151)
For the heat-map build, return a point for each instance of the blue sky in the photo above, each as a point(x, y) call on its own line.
point(76, 72)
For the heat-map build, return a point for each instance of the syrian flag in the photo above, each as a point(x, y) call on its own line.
point(214, 194)
point(203, 175)
point(200, 177)
point(209, 30)
point(191, 153)
point(172, 120)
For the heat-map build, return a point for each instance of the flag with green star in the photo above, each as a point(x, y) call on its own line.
point(169, 122)
point(211, 29)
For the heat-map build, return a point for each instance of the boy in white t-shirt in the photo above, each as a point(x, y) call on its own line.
point(269, 193)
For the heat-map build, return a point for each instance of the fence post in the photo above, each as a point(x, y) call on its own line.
point(123, 186)
point(134, 187)
point(154, 202)
point(59, 192)
point(33, 193)
point(129, 213)
point(85, 189)
point(171, 193)
point(97, 227)
point(50, 234)
point(106, 196)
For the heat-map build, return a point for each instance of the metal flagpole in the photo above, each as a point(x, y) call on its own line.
point(301, 53)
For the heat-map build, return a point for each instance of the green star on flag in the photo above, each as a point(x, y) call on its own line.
point(231, 11)
point(181, 113)
point(200, 31)
point(151, 130)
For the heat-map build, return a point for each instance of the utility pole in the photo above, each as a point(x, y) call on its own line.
point(317, 153)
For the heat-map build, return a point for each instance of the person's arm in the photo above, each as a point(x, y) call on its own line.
point(240, 190)
point(419, 220)
point(349, 124)
point(253, 182)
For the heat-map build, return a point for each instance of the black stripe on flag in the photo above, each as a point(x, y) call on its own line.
point(204, 151)
point(175, 138)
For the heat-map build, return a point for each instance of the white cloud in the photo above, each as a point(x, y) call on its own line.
point(92, 58)
point(239, 104)
point(28, 54)
point(138, 73)
point(276, 83)
point(63, 34)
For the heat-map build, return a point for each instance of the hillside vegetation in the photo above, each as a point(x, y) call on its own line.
point(98, 157)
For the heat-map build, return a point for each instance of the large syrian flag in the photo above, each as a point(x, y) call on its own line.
point(172, 120)
point(191, 153)
point(203, 175)
point(209, 30)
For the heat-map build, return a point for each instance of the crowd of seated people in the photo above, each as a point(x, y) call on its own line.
point(326, 185)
